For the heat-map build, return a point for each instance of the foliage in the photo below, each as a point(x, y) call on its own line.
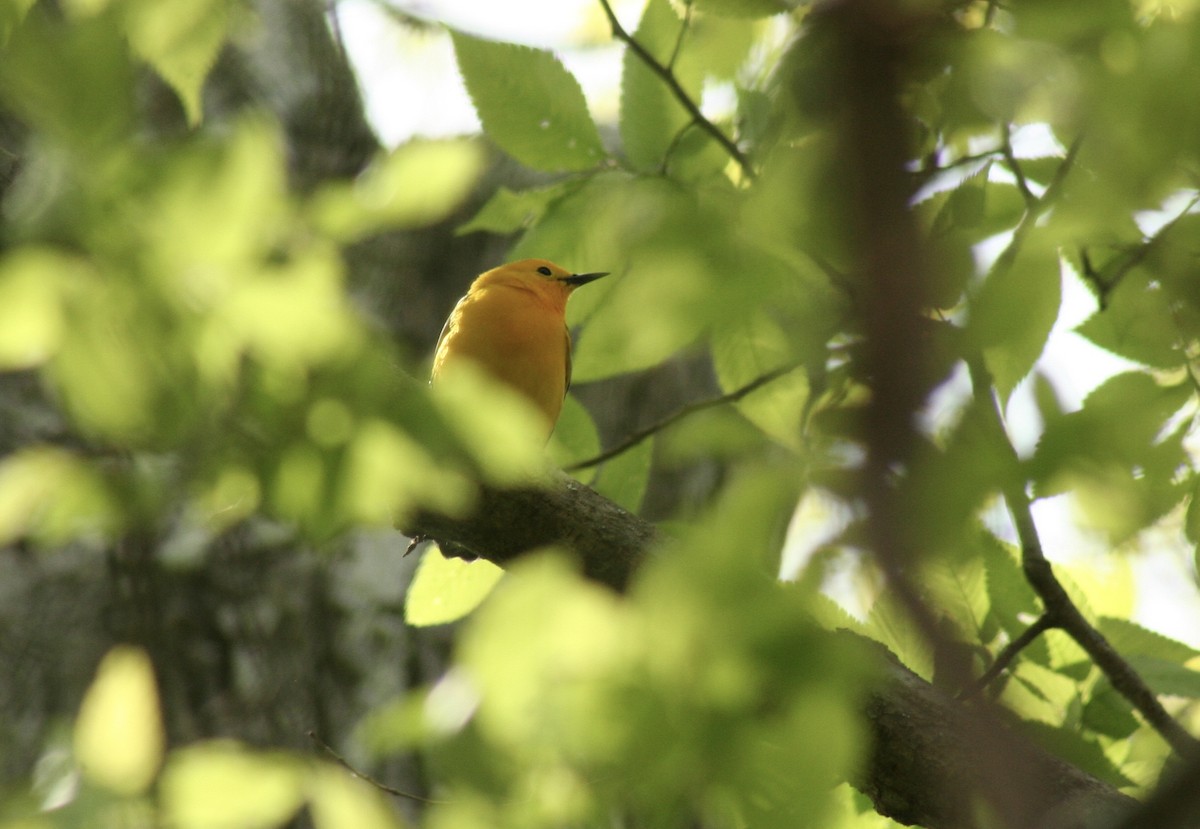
point(187, 318)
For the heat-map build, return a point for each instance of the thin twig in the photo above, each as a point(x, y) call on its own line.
point(677, 90)
point(687, 21)
point(341, 761)
point(1003, 659)
point(1010, 159)
point(1057, 603)
point(690, 409)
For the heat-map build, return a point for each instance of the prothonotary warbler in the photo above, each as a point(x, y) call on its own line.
point(512, 324)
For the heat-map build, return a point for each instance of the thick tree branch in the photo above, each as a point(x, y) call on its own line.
point(929, 755)
point(609, 541)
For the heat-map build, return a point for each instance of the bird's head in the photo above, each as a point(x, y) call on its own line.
point(540, 276)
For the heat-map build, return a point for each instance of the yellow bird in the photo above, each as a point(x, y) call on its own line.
point(512, 324)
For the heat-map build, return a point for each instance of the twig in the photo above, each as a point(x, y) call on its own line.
point(690, 409)
point(1058, 605)
point(341, 761)
point(1003, 659)
point(687, 21)
point(678, 91)
point(1013, 165)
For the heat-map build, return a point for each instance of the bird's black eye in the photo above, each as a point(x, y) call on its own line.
point(544, 271)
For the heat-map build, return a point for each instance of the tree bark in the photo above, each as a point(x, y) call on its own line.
point(933, 761)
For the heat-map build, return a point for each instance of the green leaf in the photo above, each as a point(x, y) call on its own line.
point(1135, 323)
point(529, 104)
point(1118, 424)
point(119, 737)
point(52, 497)
point(33, 282)
point(1077, 750)
point(508, 211)
point(575, 437)
point(651, 116)
point(221, 783)
point(1191, 522)
point(746, 350)
point(1011, 598)
point(340, 799)
point(1015, 309)
point(413, 186)
point(1166, 677)
point(1131, 639)
point(181, 40)
point(446, 589)
point(74, 81)
point(1107, 712)
point(747, 8)
point(623, 479)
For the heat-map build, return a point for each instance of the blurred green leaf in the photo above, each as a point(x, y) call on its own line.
point(748, 349)
point(1118, 423)
point(624, 479)
point(53, 496)
point(508, 211)
point(575, 437)
point(33, 282)
point(119, 738)
point(341, 800)
point(747, 8)
point(1132, 322)
point(1015, 308)
point(416, 184)
point(447, 589)
point(181, 40)
point(74, 81)
point(221, 783)
point(530, 105)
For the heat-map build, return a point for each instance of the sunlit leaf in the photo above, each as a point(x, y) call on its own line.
point(32, 283)
point(181, 40)
point(1130, 639)
point(224, 784)
point(529, 104)
point(446, 589)
point(340, 800)
point(53, 497)
point(415, 185)
point(1014, 310)
point(1131, 324)
point(119, 737)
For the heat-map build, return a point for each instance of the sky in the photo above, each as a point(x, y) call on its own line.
point(412, 88)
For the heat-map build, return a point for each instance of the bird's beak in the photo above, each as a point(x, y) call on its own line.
point(577, 279)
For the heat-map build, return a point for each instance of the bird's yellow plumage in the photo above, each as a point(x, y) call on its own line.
point(512, 324)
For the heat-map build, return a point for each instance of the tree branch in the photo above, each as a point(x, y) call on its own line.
point(1059, 609)
point(928, 755)
point(1044, 623)
point(677, 90)
point(690, 409)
